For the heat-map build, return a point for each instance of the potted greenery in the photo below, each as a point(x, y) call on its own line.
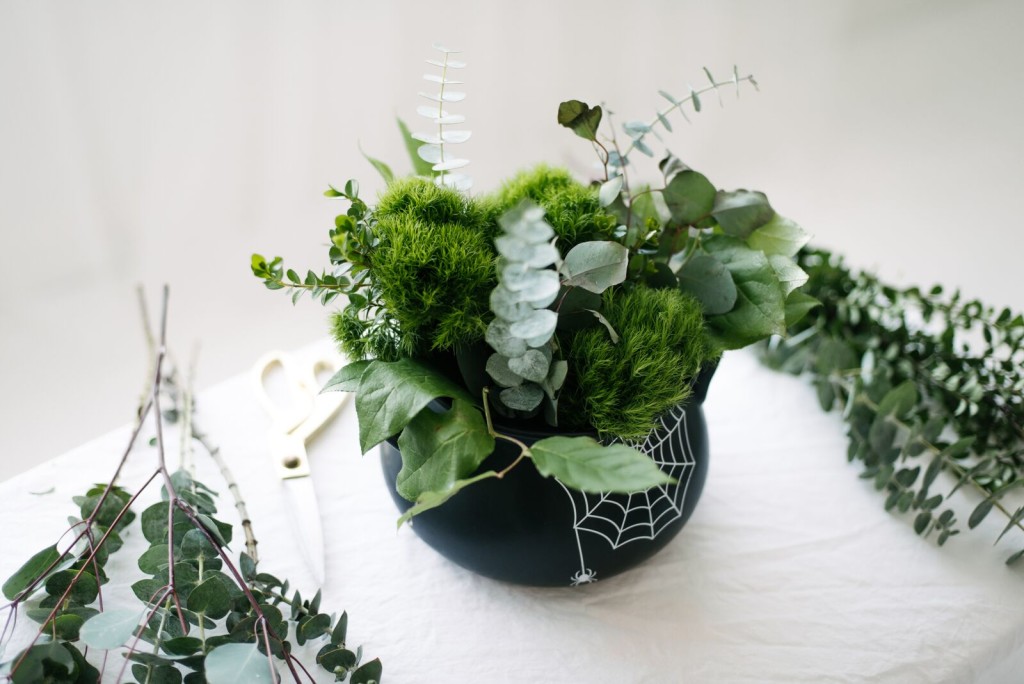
point(535, 358)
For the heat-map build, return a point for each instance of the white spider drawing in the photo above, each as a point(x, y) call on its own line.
point(584, 577)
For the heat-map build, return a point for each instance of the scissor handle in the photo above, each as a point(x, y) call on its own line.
point(315, 410)
point(325, 406)
point(301, 389)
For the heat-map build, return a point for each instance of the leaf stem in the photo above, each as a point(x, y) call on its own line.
point(715, 85)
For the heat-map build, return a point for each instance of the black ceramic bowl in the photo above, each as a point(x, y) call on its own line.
point(528, 529)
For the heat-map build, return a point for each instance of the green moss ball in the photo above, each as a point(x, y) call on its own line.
point(571, 208)
point(433, 265)
point(620, 389)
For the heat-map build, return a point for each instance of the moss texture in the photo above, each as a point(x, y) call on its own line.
point(571, 208)
point(620, 389)
point(433, 266)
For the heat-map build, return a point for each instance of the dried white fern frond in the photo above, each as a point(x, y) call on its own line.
point(435, 149)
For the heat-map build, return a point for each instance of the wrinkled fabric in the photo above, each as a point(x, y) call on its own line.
point(789, 570)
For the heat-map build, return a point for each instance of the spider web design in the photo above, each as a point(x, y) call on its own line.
point(623, 518)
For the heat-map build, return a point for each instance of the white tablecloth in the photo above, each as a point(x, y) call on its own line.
point(789, 570)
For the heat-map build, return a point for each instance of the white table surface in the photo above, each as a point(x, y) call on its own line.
point(788, 571)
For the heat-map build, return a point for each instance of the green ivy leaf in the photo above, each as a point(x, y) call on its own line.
point(583, 119)
point(779, 236)
point(790, 276)
point(347, 379)
point(741, 212)
point(27, 573)
point(238, 664)
point(440, 448)
point(798, 305)
point(584, 464)
point(391, 394)
point(428, 500)
point(707, 279)
point(595, 265)
point(760, 303)
point(690, 197)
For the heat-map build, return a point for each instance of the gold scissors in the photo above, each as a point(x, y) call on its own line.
point(296, 418)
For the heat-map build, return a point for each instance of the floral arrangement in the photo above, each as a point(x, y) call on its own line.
point(588, 307)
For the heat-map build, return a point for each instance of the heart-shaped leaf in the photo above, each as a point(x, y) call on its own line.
point(438, 449)
point(533, 365)
point(525, 397)
point(502, 340)
point(539, 323)
point(497, 367)
point(580, 117)
point(391, 394)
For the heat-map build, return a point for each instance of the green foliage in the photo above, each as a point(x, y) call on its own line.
point(928, 383)
point(220, 618)
point(430, 204)
point(585, 464)
point(431, 273)
point(620, 389)
point(440, 448)
point(187, 567)
point(572, 209)
point(429, 267)
point(389, 395)
point(523, 326)
point(729, 249)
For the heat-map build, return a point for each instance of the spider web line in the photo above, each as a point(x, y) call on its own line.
point(640, 517)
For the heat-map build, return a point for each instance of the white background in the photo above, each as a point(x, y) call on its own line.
point(164, 142)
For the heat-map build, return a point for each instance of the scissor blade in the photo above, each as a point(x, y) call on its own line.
point(300, 499)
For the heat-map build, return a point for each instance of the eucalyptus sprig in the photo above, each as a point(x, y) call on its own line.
point(928, 382)
point(204, 616)
point(728, 248)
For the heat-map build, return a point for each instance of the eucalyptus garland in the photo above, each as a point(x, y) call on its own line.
point(928, 382)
